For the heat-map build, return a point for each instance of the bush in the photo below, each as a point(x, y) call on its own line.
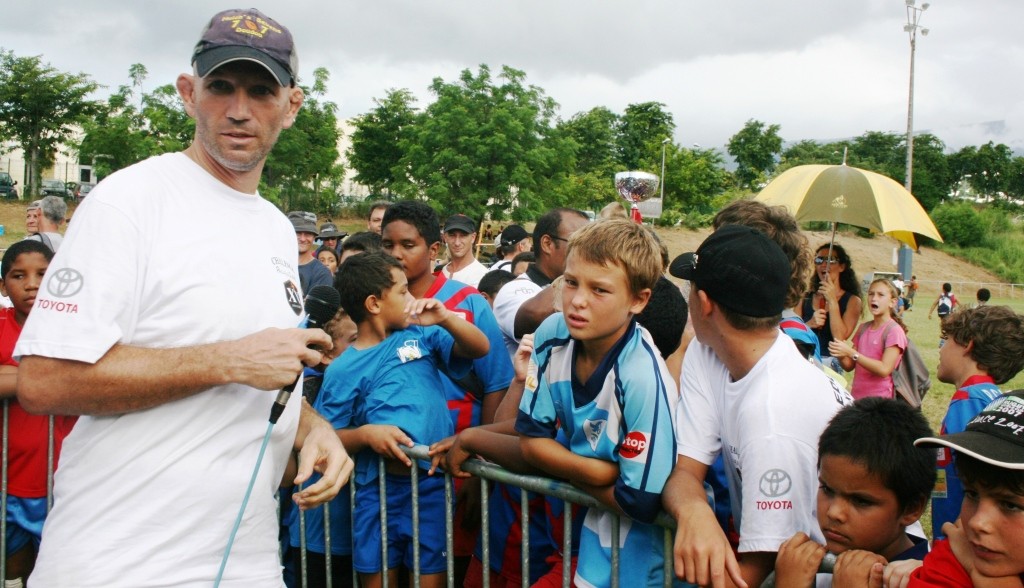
point(668, 218)
point(959, 224)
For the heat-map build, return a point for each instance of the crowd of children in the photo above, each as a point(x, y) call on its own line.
point(737, 428)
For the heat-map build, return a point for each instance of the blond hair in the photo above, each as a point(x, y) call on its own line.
point(613, 210)
point(620, 242)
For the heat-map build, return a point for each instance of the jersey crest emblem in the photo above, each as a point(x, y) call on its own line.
point(593, 431)
point(410, 351)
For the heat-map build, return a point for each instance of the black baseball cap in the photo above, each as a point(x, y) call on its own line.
point(739, 268)
point(512, 235)
point(247, 35)
point(995, 436)
point(459, 222)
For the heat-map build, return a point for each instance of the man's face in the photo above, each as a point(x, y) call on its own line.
point(569, 225)
point(376, 216)
point(404, 242)
point(305, 242)
point(239, 110)
point(32, 216)
point(332, 242)
point(460, 243)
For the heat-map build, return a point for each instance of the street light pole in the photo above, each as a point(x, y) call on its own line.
point(905, 259)
point(913, 25)
point(664, 142)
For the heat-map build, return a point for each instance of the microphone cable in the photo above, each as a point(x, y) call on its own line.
point(321, 304)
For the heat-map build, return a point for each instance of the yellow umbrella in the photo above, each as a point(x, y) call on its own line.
point(853, 196)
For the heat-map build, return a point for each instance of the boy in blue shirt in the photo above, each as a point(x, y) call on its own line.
point(411, 233)
point(984, 347)
point(598, 375)
point(385, 392)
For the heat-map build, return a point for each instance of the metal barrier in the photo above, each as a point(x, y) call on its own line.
point(488, 473)
point(4, 478)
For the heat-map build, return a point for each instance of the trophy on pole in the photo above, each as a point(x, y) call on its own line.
point(636, 187)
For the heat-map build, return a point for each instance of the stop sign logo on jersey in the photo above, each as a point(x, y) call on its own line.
point(634, 445)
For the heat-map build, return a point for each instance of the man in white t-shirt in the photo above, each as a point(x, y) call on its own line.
point(510, 243)
point(747, 393)
point(173, 357)
point(522, 304)
point(459, 235)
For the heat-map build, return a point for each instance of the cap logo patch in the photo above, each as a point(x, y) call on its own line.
point(244, 25)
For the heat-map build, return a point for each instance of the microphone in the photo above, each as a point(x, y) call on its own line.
point(322, 303)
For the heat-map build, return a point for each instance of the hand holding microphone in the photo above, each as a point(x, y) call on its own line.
point(322, 303)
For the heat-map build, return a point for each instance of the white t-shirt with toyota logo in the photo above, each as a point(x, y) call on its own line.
point(150, 497)
point(767, 425)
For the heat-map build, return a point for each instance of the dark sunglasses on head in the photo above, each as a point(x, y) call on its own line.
point(820, 260)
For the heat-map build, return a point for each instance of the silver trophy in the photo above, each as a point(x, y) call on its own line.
point(635, 187)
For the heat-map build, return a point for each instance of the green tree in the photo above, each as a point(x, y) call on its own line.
point(302, 169)
point(132, 125)
point(40, 108)
point(641, 130)
point(754, 148)
point(486, 146)
point(376, 151)
point(959, 224)
point(693, 178)
point(595, 133)
point(169, 126)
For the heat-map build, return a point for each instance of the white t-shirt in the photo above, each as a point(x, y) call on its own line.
point(506, 304)
point(470, 274)
point(149, 498)
point(767, 424)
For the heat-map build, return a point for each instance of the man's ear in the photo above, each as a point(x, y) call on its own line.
point(372, 304)
point(295, 98)
point(547, 244)
point(705, 303)
point(433, 249)
point(186, 85)
point(640, 301)
point(913, 512)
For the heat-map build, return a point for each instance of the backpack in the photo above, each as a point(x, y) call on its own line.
point(945, 304)
point(910, 379)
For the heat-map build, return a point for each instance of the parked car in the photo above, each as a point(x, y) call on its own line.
point(7, 186)
point(56, 188)
point(83, 189)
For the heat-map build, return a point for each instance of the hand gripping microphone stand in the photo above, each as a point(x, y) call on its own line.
point(322, 303)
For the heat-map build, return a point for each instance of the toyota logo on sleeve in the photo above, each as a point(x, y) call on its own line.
point(65, 283)
point(775, 483)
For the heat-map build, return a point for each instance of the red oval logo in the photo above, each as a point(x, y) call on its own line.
point(633, 445)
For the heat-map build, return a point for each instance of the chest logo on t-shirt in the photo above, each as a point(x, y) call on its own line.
point(634, 446)
point(410, 351)
point(593, 431)
point(291, 294)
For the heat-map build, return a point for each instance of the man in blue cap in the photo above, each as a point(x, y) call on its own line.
point(173, 357)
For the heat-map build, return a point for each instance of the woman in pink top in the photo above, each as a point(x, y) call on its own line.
point(877, 345)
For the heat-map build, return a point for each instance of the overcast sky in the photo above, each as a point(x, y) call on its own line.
point(822, 69)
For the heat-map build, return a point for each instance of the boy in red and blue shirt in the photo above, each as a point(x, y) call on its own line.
point(984, 347)
point(22, 270)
